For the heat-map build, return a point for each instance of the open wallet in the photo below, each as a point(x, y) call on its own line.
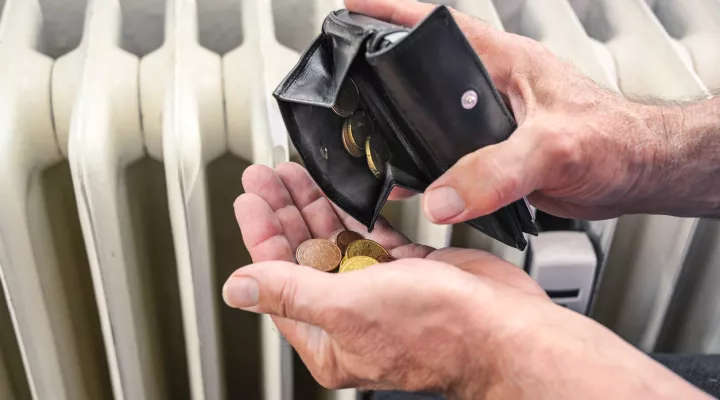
point(371, 106)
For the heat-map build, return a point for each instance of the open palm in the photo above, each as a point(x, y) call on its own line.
point(284, 207)
point(327, 317)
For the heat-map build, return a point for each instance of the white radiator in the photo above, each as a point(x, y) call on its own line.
point(119, 168)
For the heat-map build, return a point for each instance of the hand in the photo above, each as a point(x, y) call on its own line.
point(459, 322)
point(580, 151)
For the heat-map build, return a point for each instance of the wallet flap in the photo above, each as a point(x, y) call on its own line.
point(439, 88)
point(430, 74)
point(323, 68)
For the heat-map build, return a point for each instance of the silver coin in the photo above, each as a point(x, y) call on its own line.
point(348, 99)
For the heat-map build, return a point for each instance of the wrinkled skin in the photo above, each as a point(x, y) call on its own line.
point(462, 322)
point(580, 151)
point(454, 321)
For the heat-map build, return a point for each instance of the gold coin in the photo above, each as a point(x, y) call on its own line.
point(360, 127)
point(366, 248)
point(347, 100)
point(357, 263)
point(347, 142)
point(320, 254)
point(378, 154)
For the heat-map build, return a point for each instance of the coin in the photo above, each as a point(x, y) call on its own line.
point(378, 154)
point(385, 259)
point(360, 128)
point(345, 238)
point(320, 254)
point(348, 143)
point(357, 263)
point(365, 247)
point(347, 100)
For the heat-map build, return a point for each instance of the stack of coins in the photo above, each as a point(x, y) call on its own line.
point(346, 251)
point(359, 137)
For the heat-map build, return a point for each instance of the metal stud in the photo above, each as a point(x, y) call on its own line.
point(469, 99)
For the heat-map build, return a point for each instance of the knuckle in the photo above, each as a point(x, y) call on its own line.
point(562, 148)
point(504, 182)
point(330, 379)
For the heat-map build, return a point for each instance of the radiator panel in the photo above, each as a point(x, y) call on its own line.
point(44, 272)
point(184, 124)
point(105, 149)
point(650, 265)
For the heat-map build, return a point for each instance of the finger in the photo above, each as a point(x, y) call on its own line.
point(261, 230)
point(411, 12)
point(399, 12)
point(264, 182)
point(401, 194)
point(285, 290)
point(564, 209)
point(505, 172)
point(314, 207)
point(499, 50)
point(412, 250)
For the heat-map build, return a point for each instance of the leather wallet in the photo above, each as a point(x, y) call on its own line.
point(429, 97)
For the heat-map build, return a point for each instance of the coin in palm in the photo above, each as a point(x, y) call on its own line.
point(320, 254)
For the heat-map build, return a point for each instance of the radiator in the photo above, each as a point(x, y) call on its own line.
point(121, 160)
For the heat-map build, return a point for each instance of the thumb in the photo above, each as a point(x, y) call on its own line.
point(486, 180)
point(281, 289)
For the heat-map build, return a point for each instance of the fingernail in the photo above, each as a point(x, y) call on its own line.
point(241, 292)
point(443, 203)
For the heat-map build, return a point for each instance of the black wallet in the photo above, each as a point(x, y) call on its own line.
point(427, 96)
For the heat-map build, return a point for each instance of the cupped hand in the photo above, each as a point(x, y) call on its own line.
point(580, 151)
point(454, 321)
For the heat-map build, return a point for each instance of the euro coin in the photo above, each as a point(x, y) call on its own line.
point(347, 100)
point(386, 259)
point(357, 263)
point(365, 247)
point(344, 239)
point(320, 254)
point(347, 142)
point(360, 127)
point(378, 154)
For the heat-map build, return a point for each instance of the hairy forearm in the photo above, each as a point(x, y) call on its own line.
point(686, 170)
point(592, 363)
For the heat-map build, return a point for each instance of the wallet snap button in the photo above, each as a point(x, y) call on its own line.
point(469, 99)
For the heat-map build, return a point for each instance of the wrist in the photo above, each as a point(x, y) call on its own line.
point(563, 355)
point(683, 170)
